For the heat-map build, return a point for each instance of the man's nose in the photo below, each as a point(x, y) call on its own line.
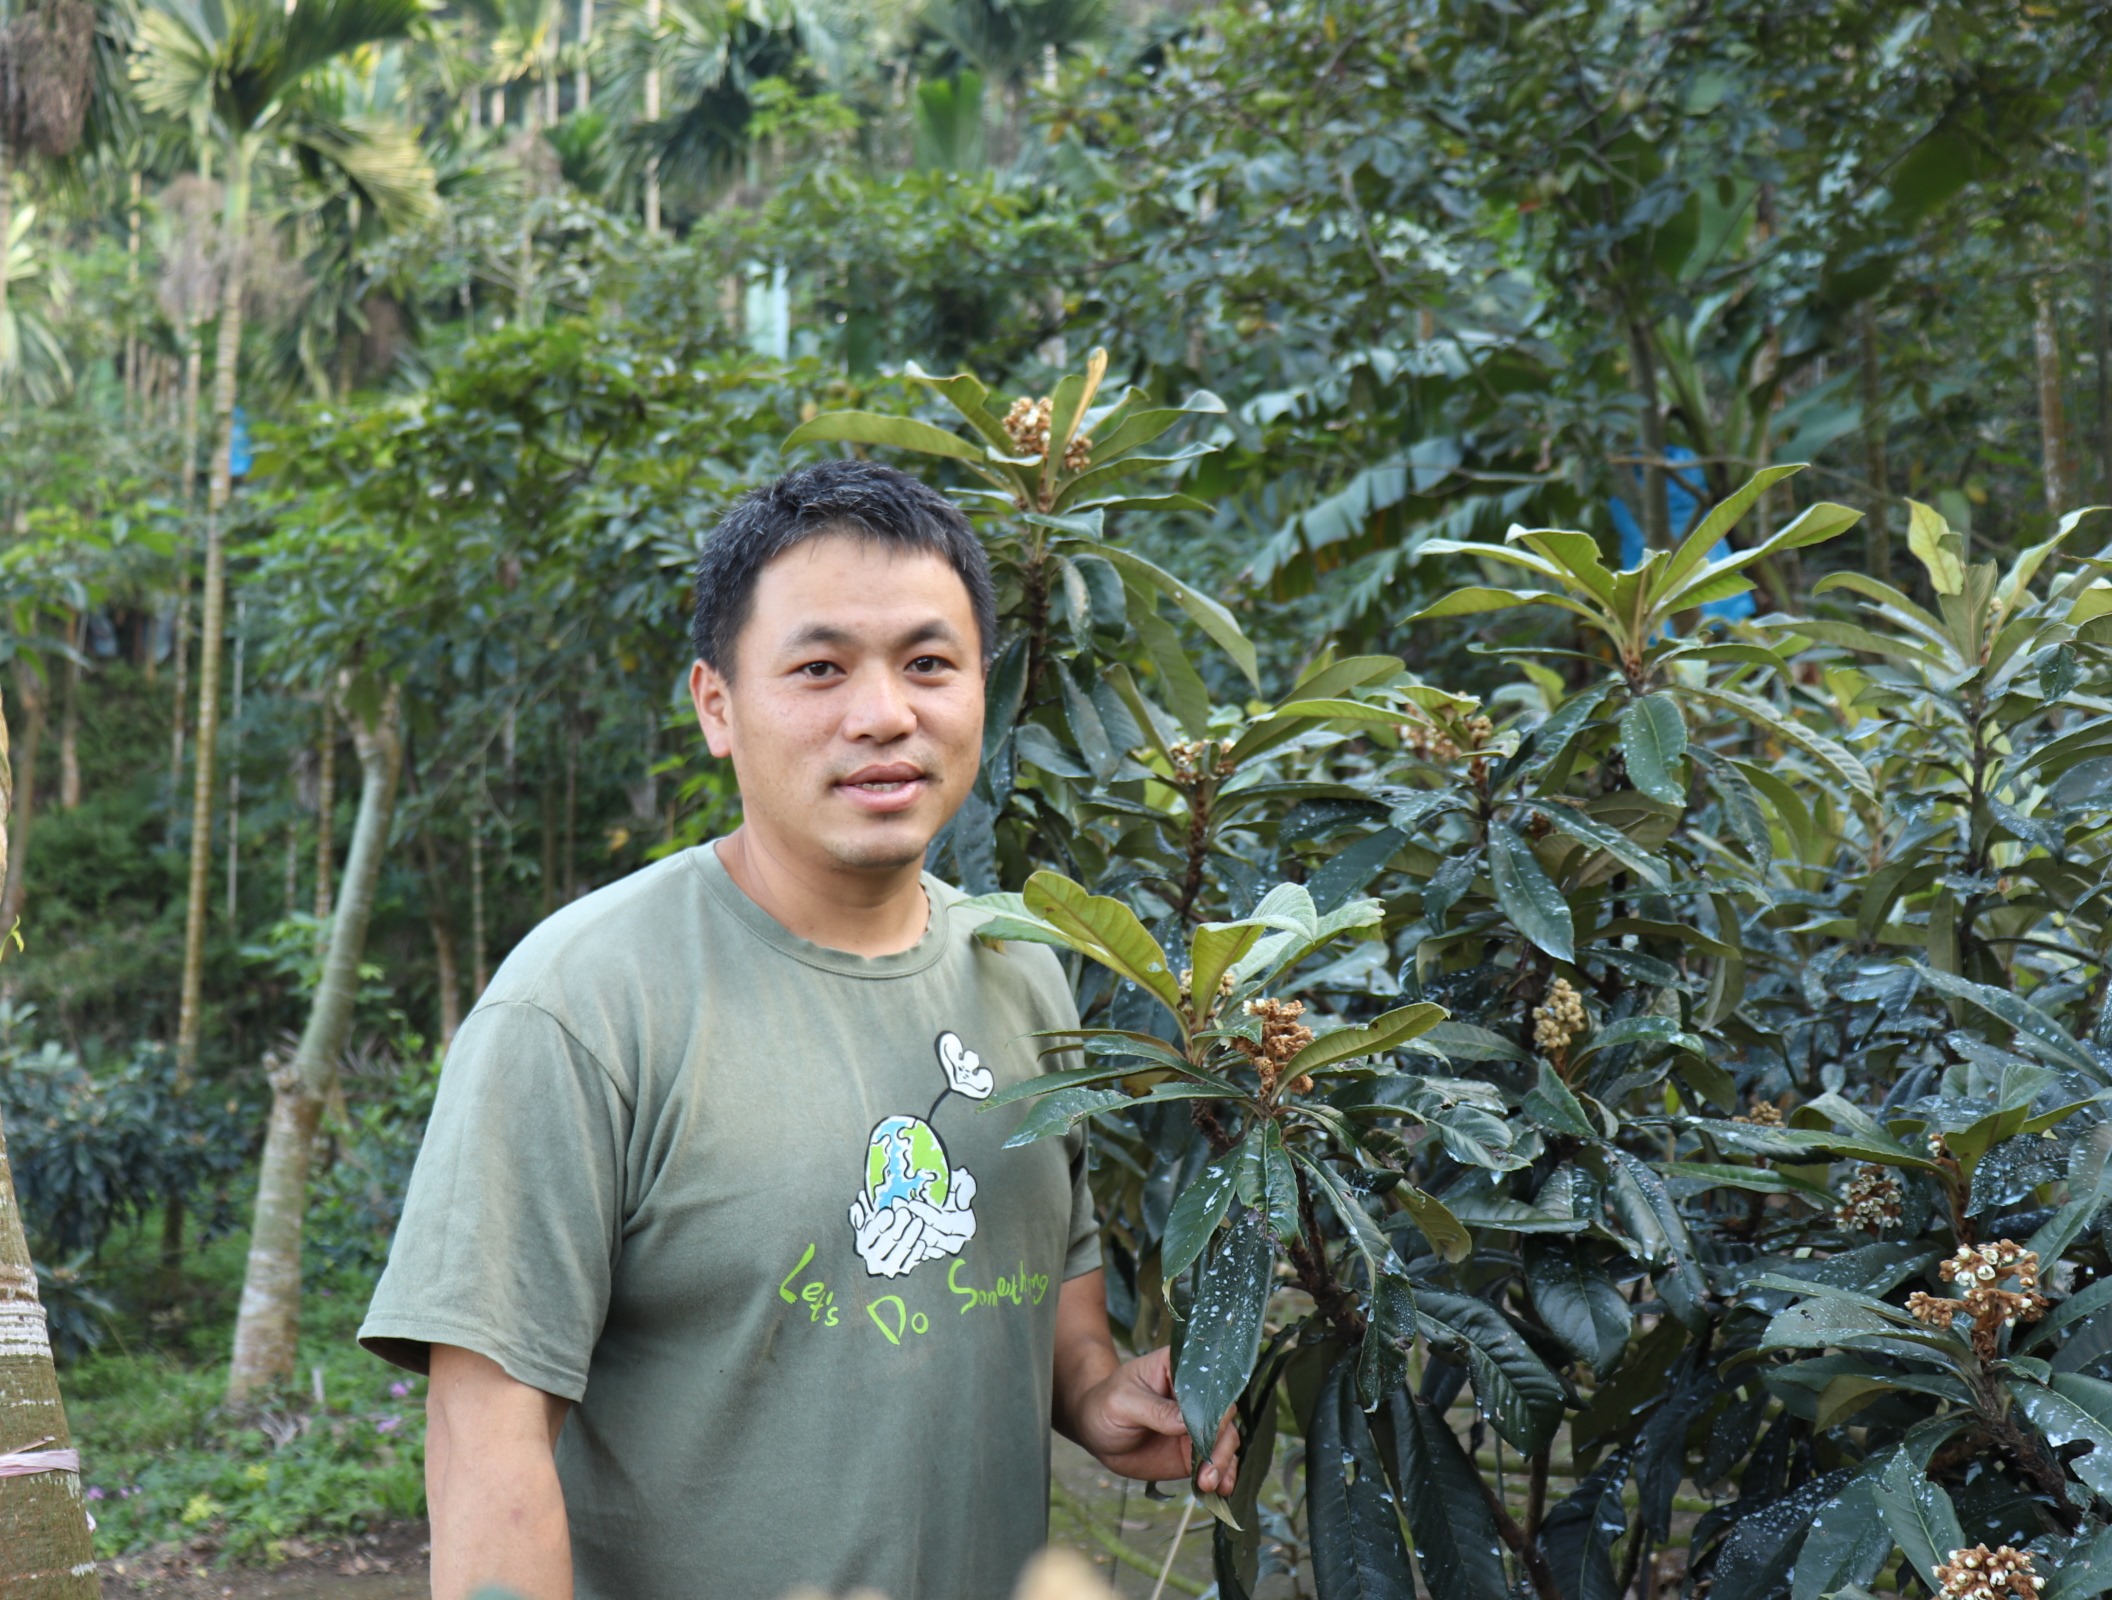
point(880, 708)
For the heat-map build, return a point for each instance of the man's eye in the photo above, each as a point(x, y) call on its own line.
point(818, 669)
point(928, 664)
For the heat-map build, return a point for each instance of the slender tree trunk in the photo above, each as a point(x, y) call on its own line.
point(549, 841)
point(447, 969)
point(1657, 516)
point(134, 346)
point(1877, 536)
point(70, 717)
point(570, 838)
point(2053, 422)
point(267, 1326)
point(326, 814)
point(180, 645)
point(227, 353)
point(29, 694)
point(479, 942)
point(7, 192)
point(46, 1549)
point(234, 766)
point(2095, 198)
point(652, 114)
point(293, 864)
point(583, 82)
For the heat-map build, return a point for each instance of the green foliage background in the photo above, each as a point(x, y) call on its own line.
point(1686, 988)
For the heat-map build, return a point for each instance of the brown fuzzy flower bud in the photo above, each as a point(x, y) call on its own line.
point(1282, 1037)
point(1874, 1200)
point(1027, 426)
point(1559, 1018)
point(1983, 1574)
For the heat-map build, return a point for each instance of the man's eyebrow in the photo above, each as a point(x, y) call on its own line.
point(821, 634)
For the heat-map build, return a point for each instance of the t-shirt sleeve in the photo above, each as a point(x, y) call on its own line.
point(511, 1223)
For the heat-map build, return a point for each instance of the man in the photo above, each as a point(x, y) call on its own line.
point(723, 1275)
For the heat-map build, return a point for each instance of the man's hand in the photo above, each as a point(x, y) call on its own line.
point(1132, 1423)
point(1124, 1411)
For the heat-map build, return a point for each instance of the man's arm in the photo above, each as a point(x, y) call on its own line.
point(491, 1481)
point(1124, 1411)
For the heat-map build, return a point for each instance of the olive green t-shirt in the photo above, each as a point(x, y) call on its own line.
point(738, 1196)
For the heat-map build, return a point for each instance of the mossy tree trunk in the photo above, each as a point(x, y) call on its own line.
point(267, 1326)
point(47, 1551)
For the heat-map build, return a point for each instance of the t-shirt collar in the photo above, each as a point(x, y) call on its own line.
point(932, 944)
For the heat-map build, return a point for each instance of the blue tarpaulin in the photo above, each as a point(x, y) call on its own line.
point(1683, 490)
point(239, 455)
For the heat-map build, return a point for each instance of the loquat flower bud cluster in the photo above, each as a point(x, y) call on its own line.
point(1433, 744)
point(1984, 1574)
point(1027, 426)
point(1558, 1019)
point(1225, 986)
point(1979, 1273)
point(1282, 1037)
point(1764, 1114)
point(1194, 758)
point(1874, 1200)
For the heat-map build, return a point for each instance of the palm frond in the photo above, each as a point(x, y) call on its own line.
point(378, 158)
point(317, 31)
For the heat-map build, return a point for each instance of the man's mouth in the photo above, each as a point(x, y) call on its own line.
point(884, 787)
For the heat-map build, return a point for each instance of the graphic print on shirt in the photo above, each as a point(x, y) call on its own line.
point(917, 1206)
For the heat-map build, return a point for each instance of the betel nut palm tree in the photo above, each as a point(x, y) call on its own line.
point(243, 76)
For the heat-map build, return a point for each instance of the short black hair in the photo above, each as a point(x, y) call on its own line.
point(864, 499)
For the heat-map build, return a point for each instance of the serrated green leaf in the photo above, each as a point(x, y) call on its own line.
point(1195, 1216)
point(1457, 1547)
point(1105, 929)
point(1654, 742)
point(1520, 1396)
point(1203, 611)
point(1223, 1336)
point(1920, 1516)
point(1529, 897)
point(871, 427)
point(1357, 1550)
point(1367, 1039)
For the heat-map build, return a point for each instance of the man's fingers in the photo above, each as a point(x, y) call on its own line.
point(1224, 1459)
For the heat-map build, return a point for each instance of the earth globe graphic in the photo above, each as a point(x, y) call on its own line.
point(905, 1161)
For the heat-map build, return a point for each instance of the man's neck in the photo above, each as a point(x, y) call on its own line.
point(866, 913)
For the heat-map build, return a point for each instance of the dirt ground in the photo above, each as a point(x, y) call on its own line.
point(391, 1564)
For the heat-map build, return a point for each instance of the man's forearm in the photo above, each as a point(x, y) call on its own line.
point(498, 1511)
point(1085, 1351)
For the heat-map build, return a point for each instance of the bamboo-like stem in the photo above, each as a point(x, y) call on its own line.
point(70, 715)
point(2053, 420)
point(652, 114)
point(234, 766)
point(326, 813)
point(220, 485)
point(1877, 538)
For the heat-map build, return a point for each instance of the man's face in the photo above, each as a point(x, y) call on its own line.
point(854, 720)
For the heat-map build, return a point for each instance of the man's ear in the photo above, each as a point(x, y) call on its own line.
point(710, 693)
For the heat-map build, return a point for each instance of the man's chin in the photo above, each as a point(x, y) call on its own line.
point(887, 849)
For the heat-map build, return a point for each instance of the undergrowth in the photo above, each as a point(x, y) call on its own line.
point(163, 1463)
